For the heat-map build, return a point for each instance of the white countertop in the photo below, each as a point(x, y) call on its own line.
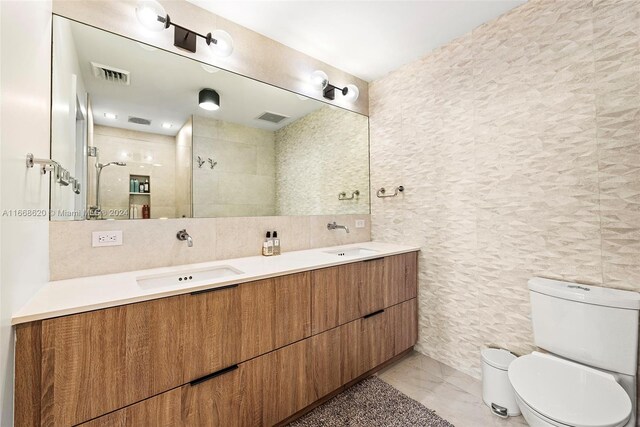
point(64, 297)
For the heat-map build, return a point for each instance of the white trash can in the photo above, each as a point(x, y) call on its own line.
point(497, 391)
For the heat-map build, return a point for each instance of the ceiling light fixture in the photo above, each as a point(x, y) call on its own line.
point(209, 99)
point(167, 125)
point(153, 17)
point(110, 116)
point(320, 81)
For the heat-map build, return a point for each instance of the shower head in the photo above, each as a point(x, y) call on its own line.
point(100, 165)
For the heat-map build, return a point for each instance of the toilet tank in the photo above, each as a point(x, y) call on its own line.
point(587, 324)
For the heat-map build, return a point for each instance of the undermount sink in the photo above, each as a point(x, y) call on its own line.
point(186, 276)
point(352, 252)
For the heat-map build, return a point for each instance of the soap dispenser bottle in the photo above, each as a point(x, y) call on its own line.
point(267, 246)
point(276, 243)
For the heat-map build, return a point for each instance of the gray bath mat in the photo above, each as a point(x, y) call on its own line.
point(371, 403)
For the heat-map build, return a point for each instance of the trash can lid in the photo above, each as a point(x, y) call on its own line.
point(497, 357)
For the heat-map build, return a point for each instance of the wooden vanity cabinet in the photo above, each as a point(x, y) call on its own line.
point(252, 354)
point(350, 291)
point(95, 362)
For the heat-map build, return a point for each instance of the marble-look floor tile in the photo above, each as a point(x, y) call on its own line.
point(455, 396)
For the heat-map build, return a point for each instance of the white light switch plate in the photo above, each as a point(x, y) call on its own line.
point(359, 223)
point(106, 238)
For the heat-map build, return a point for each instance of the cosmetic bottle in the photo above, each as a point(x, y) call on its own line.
point(147, 189)
point(131, 185)
point(276, 243)
point(267, 246)
point(136, 186)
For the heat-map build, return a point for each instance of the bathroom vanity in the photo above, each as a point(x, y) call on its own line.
point(260, 347)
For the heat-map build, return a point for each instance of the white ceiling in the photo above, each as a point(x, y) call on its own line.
point(164, 87)
point(365, 38)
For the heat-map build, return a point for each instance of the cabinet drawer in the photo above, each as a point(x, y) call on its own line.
point(99, 361)
point(360, 289)
point(400, 282)
point(211, 330)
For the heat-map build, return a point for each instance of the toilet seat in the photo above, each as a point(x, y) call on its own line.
point(569, 393)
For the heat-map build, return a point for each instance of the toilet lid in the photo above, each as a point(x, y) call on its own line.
point(568, 392)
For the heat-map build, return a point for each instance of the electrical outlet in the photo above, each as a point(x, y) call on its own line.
point(359, 223)
point(106, 238)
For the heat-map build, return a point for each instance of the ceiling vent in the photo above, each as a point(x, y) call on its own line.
point(271, 117)
point(111, 74)
point(139, 121)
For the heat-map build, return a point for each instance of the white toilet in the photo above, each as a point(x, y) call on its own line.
point(589, 377)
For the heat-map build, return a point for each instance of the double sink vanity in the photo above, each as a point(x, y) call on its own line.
point(248, 341)
point(252, 341)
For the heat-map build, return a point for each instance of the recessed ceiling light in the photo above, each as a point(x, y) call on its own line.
point(167, 125)
point(111, 116)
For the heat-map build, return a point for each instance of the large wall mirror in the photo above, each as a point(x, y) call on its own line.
point(146, 133)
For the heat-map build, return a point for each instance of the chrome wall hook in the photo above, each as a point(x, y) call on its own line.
point(343, 195)
point(381, 192)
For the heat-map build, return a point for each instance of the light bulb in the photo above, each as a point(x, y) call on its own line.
point(223, 44)
point(352, 93)
point(151, 15)
point(319, 79)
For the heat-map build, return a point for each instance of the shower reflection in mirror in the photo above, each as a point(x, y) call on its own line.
point(206, 144)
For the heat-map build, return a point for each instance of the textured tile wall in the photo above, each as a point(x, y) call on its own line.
point(519, 147)
point(318, 157)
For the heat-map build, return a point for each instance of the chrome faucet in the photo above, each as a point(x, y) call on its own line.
point(183, 235)
point(334, 226)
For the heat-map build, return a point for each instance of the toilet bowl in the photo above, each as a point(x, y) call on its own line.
point(551, 391)
point(588, 376)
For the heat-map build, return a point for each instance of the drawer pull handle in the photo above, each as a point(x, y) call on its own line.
point(373, 259)
point(375, 313)
point(215, 374)
point(220, 288)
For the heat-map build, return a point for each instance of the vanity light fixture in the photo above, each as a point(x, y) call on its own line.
point(320, 81)
point(209, 99)
point(153, 17)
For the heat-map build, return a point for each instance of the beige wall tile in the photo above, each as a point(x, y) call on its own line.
point(519, 148)
point(153, 243)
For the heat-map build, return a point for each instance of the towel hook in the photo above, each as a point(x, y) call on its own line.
point(343, 195)
point(381, 192)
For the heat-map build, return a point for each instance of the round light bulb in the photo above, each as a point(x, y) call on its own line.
point(319, 79)
point(151, 15)
point(223, 45)
point(352, 93)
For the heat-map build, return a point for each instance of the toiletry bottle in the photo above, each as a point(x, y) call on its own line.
point(143, 189)
point(136, 186)
point(147, 189)
point(267, 247)
point(131, 185)
point(276, 243)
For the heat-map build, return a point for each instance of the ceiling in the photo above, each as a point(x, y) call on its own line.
point(164, 87)
point(367, 39)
